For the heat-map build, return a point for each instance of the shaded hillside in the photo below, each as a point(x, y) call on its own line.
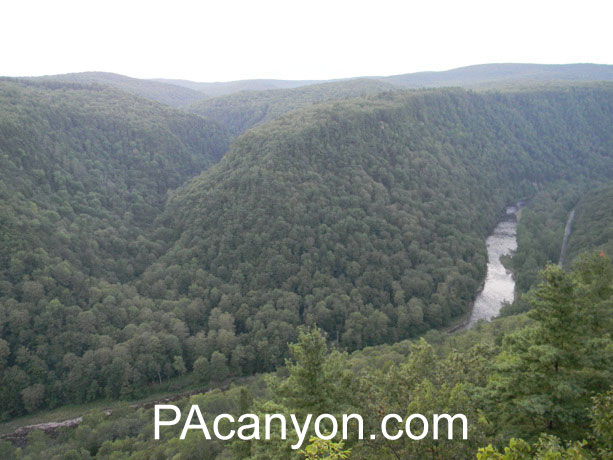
point(368, 217)
point(241, 111)
point(172, 95)
point(592, 228)
point(84, 169)
point(540, 231)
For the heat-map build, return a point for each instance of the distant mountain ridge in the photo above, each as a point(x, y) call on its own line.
point(214, 89)
point(484, 74)
point(469, 76)
point(172, 95)
point(183, 93)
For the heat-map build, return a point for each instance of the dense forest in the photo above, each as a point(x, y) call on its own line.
point(241, 110)
point(84, 170)
point(592, 228)
point(541, 229)
point(514, 414)
point(365, 217)
point(82, 161)
point(370, 225)
point(136, 254)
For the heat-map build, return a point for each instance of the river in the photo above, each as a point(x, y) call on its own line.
point(499, 285)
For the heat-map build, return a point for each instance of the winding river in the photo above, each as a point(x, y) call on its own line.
point(499, 285)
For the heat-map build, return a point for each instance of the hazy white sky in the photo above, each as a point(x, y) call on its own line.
point(313, 39)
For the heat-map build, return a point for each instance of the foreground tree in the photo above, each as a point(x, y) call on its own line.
point(547, 448)
point(599, 444)
point(321, 449)
point(546, 375)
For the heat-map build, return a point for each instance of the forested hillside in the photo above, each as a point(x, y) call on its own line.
point(165, 93)
point(243, 110)
point(541, 229)
point(73, 152)
point(481, 373)
point(84, 171)
point(592, 228)
point(366, 217)
point(542, 225)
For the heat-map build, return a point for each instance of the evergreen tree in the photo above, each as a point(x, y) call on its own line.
point(547, 373)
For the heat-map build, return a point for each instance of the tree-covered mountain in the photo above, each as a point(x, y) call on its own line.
point(367, 217)
point(165, 93)
point(542, 225)
point(592, 227)
point(71, 151)
point(540, 232)
point(243, 110)
point(84, 170)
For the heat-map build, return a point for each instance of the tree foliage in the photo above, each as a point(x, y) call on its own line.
point(243, 110)
point(365, 217)
point(453, 373)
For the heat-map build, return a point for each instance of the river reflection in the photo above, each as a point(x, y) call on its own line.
point(499, 283)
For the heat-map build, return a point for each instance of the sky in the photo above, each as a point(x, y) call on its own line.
point(290, 39)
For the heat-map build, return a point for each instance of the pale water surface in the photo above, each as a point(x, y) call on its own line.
point(499, 283)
